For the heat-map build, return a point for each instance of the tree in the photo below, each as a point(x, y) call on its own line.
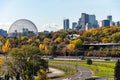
point(42, 48)
point(74, 44)
point(41, 75)
point(24, 62)
point(89, 61)
point(6, 47)
point(58, 40)
point(117, 70)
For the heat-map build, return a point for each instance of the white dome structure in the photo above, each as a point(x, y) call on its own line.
point(22, 27)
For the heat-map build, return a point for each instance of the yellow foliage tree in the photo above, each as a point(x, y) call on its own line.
point(2, 60)
point(42, 47)
point(58, 40)
point(41, 75)
point(6, 47)
point(71, 47)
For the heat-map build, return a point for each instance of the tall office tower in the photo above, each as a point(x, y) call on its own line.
point(100, 24)
point(109, 18)
point(117, 23)
point(105, 22)
point(84, 20)
point(74, 24)
point(66, 24)
point(79, 21)
point(87, 26)
point(92, 20)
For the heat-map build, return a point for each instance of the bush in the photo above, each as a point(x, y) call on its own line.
point(117, 70)
point(89, 61)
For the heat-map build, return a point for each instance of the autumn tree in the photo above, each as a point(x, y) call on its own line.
point(74, 45)
point(24, 62)
point(58, 40)
point(41, 75)
point(6, 47)
point(42, 48)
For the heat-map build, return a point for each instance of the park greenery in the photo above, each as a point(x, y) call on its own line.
point(89, 61)
point(23, 53)
point(99, 68)
point(24, 63)
point(117, 70)
point(57, 43)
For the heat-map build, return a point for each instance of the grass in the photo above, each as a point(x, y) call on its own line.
point(63, 68)
point(100, 68)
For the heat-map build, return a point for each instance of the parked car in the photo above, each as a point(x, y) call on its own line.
point(50, 57)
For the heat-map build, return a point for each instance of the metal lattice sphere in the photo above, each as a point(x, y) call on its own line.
point(22, 27)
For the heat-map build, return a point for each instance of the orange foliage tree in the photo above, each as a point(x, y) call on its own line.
point(6, 47)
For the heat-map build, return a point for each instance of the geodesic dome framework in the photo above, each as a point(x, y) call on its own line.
point(22, 27)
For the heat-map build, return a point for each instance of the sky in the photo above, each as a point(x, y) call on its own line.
point(45, 13)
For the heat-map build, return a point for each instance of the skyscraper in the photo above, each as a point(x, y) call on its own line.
point(105, 22)
point(79, 21)
point(66, 24)
point(92, 21)
point(117, 23)
point(84, 20)
point(74, 24)
point(109, 18)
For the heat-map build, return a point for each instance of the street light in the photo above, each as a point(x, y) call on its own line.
point(76, 66)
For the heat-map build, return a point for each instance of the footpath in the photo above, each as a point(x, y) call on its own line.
point(54, 73)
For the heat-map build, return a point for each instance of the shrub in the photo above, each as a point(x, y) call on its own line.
point(89, 61)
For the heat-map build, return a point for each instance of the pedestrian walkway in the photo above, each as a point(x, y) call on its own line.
point(54, 73)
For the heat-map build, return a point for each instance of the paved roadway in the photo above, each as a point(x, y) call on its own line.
point(83, 73)
point(54, 72)
point(93, 58)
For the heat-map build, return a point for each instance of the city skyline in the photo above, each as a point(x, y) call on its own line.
point(53, 12)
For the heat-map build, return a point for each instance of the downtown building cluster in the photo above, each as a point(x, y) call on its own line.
point(88, 21)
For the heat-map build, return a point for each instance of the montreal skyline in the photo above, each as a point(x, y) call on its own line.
point(52, 12)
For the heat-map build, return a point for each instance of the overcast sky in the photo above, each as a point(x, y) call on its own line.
point(49, 12)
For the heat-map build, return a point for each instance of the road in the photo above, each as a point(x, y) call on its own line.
point(82, 74)
point(54, 73)
point(93, 58)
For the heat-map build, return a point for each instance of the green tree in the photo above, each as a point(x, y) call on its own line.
point(24, 62)
point(117, 70)
point(89, 61)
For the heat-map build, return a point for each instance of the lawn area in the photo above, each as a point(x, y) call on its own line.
point(100, 68)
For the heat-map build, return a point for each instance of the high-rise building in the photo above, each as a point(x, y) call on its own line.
point(79, 21)
point(74, 24)
point(66, 24)
point(84, 20)
point(117, 23)
point(100, 24)
point(109, 18)
point(105, 22)
point(92, 20)
point(88, 26)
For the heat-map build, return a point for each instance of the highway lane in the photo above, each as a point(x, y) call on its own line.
point(93, 58)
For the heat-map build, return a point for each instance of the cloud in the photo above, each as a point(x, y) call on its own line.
point(5, 26)
point(50, 27)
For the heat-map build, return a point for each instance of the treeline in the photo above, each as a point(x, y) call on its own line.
point(60, 43)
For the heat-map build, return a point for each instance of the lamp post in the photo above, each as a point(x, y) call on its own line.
point(76, 66)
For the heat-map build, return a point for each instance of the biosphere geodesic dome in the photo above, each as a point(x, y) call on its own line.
point(22, 27)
